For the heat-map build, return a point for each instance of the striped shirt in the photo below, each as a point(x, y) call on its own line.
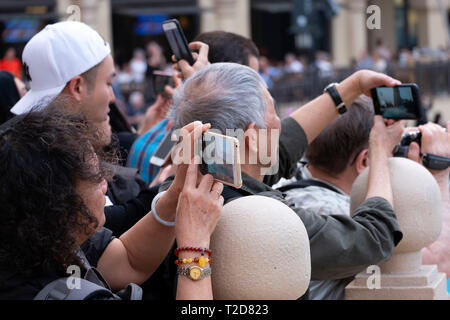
point(143, 149)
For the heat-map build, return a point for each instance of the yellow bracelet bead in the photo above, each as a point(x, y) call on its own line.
point(202, 261)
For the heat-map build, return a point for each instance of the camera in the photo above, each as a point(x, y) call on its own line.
point(430, 161)
point(402, 149)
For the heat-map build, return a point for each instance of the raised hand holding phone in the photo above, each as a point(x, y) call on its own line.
point(201, 59)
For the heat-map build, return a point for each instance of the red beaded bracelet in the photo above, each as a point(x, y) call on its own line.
point(177, 250)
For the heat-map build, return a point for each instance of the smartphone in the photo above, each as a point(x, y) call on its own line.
point(177, 40)
point(399, 102)
point(160, 80)
point(220, 158)
point(162, 153)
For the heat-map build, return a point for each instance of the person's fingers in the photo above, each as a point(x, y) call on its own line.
point(397, 129)
point(411, 129)
point(370, 79)
point(399, 124)
point(190, 181)
point(197, 45)
point(176, 67)
point(414, 152)
point(177, 79)
point(378, 120)
point(201, 47)
point(180, 175)
point(427, 134)
point(448, 127)
point(385, 80)
point(217, 189)
point(190, 141)
point(178, 153)
point(184, 66)
point(159, 99)
point(168, 90)
point(191, 126)
point(206, 183)
point(169, 170)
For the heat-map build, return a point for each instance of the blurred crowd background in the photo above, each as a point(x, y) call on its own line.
point(303, 44)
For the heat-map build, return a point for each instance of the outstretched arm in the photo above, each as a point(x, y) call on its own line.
point(317, 114)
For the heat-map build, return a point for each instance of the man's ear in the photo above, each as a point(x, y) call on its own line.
point(362, 161)
point(251, 139)
point(76, 87)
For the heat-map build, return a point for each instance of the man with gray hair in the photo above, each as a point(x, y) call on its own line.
point(232, 96)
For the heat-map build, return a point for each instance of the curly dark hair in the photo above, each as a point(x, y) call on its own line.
point(43, 155)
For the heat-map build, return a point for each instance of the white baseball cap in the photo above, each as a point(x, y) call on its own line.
point(55, 55)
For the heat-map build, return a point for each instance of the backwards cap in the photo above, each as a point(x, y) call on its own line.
point(55, 55)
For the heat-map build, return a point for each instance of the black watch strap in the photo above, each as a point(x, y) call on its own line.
point(434, 162)
point(334, 94)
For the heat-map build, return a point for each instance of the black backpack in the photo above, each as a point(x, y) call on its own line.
point(92, 286)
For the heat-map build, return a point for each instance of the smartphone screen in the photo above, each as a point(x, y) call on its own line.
point(220, 158)
point(177, 41)
point(163, 151)
point(399, 102)
point(160, 80)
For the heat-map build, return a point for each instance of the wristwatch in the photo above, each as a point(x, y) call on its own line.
point(194, 272)
point(334, 94)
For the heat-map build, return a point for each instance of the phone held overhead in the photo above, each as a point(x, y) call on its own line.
point(177, 40)
point(399, 102)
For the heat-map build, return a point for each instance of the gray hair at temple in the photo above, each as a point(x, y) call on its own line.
point(227, 95)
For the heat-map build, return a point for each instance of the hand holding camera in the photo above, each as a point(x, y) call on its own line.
point(429, 145)
point(384, 136)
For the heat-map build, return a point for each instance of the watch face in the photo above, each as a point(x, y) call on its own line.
point(195, 273)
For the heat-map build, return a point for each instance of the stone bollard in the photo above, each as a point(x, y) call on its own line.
point(260, 251)
point(418, 207)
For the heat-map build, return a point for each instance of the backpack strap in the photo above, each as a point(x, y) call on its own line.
point(230, 193)
point(59, 290)
point(131, 292)
point(306, 183)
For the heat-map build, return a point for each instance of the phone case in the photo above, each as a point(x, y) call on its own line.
point(237, 175)
point(189, 58)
